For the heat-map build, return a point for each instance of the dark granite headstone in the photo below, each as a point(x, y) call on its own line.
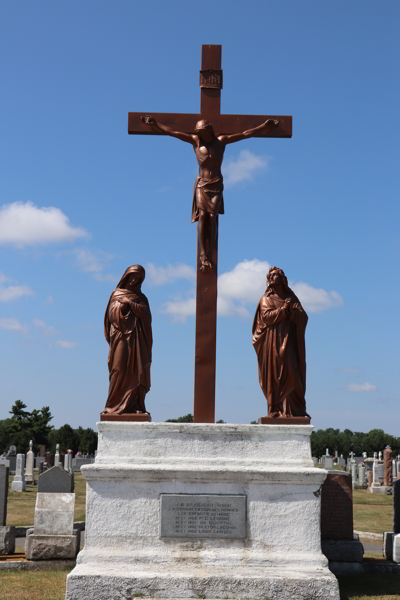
point(56, 480)
point(3, 494)
point(396, 506)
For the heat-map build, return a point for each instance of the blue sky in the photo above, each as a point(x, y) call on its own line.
point(80, 200)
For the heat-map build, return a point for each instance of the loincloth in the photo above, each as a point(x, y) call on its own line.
point(204, 191)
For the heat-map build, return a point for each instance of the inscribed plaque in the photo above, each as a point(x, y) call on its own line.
point(203, 516)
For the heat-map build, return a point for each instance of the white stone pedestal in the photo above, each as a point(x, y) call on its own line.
point(270, 466)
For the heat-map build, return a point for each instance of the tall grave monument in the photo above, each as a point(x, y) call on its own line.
point(204, 510)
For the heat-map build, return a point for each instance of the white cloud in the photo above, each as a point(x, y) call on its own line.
point(94, 262)
point(180, 309)
point(240, 289)
point(13, 292)
point(24, 224)
point(315, 300)
point(13, 324)
point(89, 261)
point(44, 329)
point(160, 275)
point(66, 344)
point(360, 387)
point(243, 168)
point(245, 282)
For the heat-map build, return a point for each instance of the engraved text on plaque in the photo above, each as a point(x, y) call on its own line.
point(203, 516)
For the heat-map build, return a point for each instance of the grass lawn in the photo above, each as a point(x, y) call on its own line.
point(21, 505)
point(32, 585)
point(372, 512)
point(50, 585)
point(369, 587)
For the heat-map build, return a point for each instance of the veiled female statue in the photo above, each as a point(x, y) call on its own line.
point(127, 329)
point(278, 339)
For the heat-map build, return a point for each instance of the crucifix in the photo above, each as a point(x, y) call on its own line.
point(208, 132)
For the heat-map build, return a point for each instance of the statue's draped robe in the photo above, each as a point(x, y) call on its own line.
point(280, 346)
point(129, 357)
point(204, 192)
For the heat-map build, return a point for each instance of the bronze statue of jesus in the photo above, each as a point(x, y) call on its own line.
point(208, 199)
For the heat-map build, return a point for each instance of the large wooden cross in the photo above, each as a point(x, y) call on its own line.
point(206, 281)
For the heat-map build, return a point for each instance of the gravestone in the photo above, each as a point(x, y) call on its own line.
point(39, 460)
point(353, 474)
point(3, 494)
point(12, 457)
point(29, 463)
point(396, 506)
point(380, 471)
point(57, 456)
point(369, 478)
point(68, 462)
point(361, 474)
point(53, 535)
point(56, 480)
point(4, 461)
point(79, 461)
point(328, 461)
point(18, 484)
point(337, 540)
point(388, 467)
point(7, 534)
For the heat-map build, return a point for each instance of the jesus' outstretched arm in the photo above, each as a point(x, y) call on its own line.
point(185, 137)
point(236, 137)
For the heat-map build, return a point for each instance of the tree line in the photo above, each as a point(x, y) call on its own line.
point(348, 441)
point(24, 426)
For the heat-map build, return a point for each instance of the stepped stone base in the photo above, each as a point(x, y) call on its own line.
point(191, 510)
point(52, 547)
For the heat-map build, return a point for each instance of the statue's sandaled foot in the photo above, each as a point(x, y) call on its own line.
point(204, 263)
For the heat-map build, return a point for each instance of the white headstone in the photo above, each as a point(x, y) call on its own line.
point(18, 484)
point(353, 474)
point(328, 463)
point(30, 457)
point(375, 478)
point(57, 456)
point(361, 474)
point(380, 454)
point(327, 452)
point(68, 462)
point(375, 455)
point(54, 514)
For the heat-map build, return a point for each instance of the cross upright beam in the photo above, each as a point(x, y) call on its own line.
point(211, 80)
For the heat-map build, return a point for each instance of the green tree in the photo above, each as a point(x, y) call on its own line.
point(25, 426)
point(185, 419)
point(87, 440)
point(67, 438)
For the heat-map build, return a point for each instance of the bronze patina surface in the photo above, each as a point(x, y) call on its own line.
point(208, 132)
point(127, 329)
point(279, 340)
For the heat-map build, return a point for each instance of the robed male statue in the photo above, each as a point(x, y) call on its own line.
point(278, 339)
point(127, 329)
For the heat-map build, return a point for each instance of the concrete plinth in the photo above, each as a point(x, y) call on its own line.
point(52, 547)
point(7, 540)
point(274, 546)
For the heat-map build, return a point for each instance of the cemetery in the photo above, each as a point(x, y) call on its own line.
point(140, 506)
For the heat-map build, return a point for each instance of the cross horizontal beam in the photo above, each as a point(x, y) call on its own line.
point(223, 124)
